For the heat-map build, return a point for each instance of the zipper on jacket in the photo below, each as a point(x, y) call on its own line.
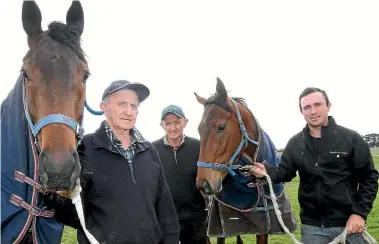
point(129, 161)
point(319, 190)
point(131, 169)
point(176, 160)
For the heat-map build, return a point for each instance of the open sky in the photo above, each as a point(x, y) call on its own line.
point(264, 51)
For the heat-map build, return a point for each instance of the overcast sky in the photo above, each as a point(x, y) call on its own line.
point(264, 51)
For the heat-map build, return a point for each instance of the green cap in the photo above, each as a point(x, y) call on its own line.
point(173, 109)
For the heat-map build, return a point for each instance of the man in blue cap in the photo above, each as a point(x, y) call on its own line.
point(125, 195)
point(179, 155)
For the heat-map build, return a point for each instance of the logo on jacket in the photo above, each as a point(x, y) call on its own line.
point(338, 153)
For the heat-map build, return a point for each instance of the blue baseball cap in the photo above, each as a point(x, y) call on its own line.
point(141, 90)
point(173, 109)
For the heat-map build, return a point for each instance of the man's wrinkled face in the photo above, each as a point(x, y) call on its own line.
point(314, 109)
point(173, 126)
point(121, 109)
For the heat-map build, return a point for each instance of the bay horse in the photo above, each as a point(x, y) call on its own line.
point(41, 126)
point(230, 138)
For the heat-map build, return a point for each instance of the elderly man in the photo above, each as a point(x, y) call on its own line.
point(125, 195)
point(179, 154)
point(338, 180)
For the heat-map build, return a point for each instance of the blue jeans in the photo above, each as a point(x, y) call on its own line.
point(320, 235)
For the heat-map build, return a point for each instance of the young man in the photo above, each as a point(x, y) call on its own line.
point(125, 195)
point(179, 155)
point(338, 180)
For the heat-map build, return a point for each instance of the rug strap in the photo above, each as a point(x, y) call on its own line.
point(18, 201)
point(21, 177)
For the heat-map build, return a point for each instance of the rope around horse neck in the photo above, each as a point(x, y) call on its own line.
point(77, 201)
point(341, 239)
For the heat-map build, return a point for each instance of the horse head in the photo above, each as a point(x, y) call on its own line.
point(221, 138)
point(55, 71)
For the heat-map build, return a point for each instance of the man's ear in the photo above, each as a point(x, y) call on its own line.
point(185, 122)
point(329, 105)
point(161, 124)
point(103, 107)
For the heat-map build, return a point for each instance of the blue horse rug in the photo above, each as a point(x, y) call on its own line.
point(242, 191)
point(244, 206)
point(21, 202)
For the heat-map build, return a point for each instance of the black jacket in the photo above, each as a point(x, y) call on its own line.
point(337, 180)
point(117, 210)
point(181, 170)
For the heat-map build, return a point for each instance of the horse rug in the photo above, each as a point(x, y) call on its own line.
point(244, 206)
point(22, 208)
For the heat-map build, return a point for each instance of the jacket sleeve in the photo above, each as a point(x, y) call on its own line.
point(65, 211)
point(367, 177)
point(286, 170)
point(165, 209)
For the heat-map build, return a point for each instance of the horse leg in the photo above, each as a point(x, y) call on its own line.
point(239, 240)
point(220, 240)
point(262, 239)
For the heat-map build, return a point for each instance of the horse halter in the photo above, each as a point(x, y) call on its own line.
point(229, 167)
point(54, 119)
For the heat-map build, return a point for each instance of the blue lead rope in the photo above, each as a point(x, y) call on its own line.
point(94, 112)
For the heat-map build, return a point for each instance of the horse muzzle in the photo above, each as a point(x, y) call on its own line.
point(207, 188)
point(59, 174)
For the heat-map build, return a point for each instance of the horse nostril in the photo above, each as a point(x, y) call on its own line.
point(207, 188)
point(59, 171)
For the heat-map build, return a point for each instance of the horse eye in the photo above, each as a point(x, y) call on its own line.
point(86, 76)
point(221, 128)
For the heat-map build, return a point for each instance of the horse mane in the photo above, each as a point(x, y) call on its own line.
point(220, 101)
point(66, 35)
point(240, 100)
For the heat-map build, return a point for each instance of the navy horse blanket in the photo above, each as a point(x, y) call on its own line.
point(244, 205)
point(22, 208)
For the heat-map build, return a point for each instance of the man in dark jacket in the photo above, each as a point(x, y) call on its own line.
point(125, 195)
point(338, 180)
point(179, 155)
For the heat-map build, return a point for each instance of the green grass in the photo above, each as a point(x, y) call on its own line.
point(375, 151)
point(69, 236)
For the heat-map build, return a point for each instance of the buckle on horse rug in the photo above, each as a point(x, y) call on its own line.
point(19, 202)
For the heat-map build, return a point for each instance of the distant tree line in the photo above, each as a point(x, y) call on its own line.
point(372, 139)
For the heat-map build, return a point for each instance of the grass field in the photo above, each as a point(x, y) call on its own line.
point(69, 236)
point(375, 151)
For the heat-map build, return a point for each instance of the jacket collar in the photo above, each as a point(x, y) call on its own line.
point(101, 138)
point(165, 141)
point(331, 124)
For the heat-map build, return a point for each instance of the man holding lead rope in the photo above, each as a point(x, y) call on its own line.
point(338, 180)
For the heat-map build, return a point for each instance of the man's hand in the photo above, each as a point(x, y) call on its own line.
point(258, 170)
point(355, 224)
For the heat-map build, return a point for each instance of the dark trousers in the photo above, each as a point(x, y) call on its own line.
point(320, 235)
point(193, 233)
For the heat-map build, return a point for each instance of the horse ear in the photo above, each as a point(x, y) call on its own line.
point(31, 18)
point(75, 17)
point(201, 100)
point(220, 88)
